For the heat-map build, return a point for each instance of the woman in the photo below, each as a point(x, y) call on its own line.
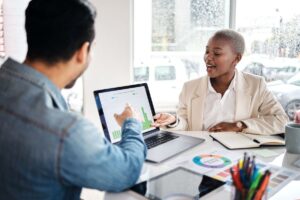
point(225, 99)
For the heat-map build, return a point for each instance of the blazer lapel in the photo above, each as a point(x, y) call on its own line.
point(243, 98)
point(197, 105)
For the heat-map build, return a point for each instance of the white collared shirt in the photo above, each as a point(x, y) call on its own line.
point(217, 108)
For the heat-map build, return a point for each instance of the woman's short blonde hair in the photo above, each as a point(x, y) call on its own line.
point(237, 40)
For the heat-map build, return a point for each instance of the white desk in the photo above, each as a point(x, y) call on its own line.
point(150, 170)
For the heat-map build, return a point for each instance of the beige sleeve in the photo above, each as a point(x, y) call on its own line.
point(271, 116)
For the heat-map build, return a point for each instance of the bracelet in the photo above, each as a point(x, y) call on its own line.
point(174, 124)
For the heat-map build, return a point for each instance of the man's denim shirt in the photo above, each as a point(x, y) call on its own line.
point(49, 153)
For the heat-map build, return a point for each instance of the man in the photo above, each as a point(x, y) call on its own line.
point(45, 151)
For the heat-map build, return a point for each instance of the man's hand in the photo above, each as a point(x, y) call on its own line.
point(297, 117)
point(225, 127)
point(163, 119)
point(128, 112)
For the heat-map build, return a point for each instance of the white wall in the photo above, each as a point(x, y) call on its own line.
point(111, 63)
point(14, 30)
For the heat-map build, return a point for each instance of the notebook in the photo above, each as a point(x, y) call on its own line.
point(161, 144)
point(233, 140)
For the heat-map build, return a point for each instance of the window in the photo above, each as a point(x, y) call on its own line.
point(272, 38)
point(179, 30)
point(273, 30)
point(170, 38)
point(295, 80)
point(163, 29)
point(141, 74)
point(208, 13)
point(255, 68)
point(74, 96)
point(163, 73)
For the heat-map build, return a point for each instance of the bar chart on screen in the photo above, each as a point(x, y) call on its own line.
point(114, 102)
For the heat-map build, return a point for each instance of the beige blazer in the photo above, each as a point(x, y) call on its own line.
point(255, 105)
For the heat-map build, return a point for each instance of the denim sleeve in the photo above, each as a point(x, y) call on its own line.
point(89, 160)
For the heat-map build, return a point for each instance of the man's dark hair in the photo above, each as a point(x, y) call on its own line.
point(57, 28)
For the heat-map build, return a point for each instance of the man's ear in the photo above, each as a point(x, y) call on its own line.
point(82, 53)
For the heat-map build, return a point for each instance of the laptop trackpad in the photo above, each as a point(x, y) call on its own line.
point(167, 150)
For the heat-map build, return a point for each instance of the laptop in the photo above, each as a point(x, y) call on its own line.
point(161, 144)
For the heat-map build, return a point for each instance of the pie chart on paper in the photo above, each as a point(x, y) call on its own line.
point(211, 161)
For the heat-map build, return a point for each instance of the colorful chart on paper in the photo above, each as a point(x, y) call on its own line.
point(211, 161)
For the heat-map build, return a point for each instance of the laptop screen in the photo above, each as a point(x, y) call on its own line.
point(114, 100)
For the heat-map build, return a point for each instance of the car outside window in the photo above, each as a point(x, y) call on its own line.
point(254, 68)
point(141, 74)
point(163, 73)
point(295, 80)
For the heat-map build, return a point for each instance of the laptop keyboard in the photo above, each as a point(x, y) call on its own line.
point(159, 139)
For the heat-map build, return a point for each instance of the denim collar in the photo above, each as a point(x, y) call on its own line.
point(30, 74)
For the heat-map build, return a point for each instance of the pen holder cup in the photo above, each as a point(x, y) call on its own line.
point(246, 194)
